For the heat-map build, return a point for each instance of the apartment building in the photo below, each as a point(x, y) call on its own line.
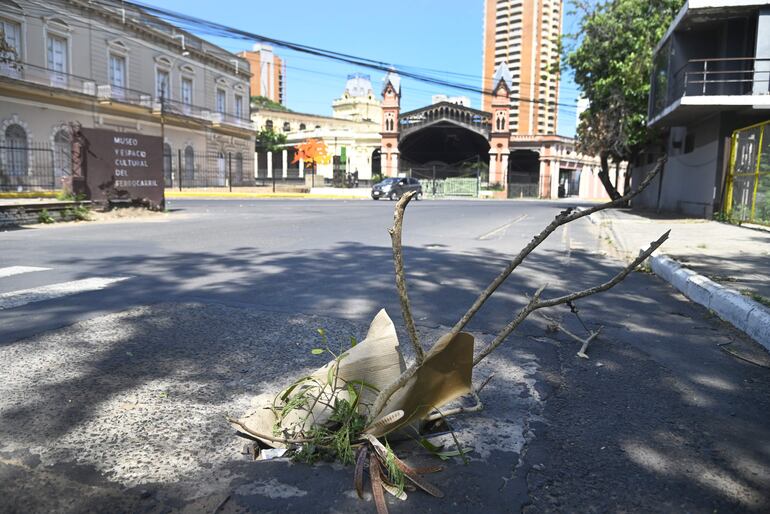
point(711, 76)
point(268, 72)
point(524, 36)
point(100, 65)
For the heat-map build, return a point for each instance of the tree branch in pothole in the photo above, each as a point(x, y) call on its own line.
point(398, 261)
point(536, 303)
point(593, 334)
point(564, 217)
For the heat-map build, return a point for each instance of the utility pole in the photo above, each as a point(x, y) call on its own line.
point(163, 132)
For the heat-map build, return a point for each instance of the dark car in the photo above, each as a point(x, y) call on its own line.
point(392, 188)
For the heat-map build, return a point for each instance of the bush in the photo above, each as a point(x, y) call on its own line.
point(45, 217)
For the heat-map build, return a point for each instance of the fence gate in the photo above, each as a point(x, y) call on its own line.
point(441, 180)
point(747, 197)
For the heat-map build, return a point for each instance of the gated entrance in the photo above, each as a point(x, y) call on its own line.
point(440, 179)
point(748, 182)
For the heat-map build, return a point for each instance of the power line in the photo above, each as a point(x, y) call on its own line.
point(210, 28)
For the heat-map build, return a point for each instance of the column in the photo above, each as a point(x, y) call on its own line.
point(256, 165)
point(269, 164)
point(285, 161)
point(301, 168)
point(545, 180)
point(554, 168)
point(504, 171)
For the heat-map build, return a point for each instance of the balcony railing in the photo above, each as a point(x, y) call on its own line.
point(106, 93)
point(723, 76)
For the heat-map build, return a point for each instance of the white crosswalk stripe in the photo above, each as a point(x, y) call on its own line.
point(18, 270)
point(49, 292)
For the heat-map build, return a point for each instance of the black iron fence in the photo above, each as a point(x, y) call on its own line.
point(32, 166)
point(192, 169)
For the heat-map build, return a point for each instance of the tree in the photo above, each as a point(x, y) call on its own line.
point(8, 54)
point(611, 56)
point(268, 140)
point(312, 152)
point(263, 102)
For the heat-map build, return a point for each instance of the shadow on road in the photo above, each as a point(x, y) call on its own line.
point(658, 419)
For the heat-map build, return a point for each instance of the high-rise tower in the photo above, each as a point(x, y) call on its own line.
point(524, 35)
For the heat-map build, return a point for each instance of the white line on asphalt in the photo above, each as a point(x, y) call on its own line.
point(18, 270)
point(38, 294)
point(499, 229)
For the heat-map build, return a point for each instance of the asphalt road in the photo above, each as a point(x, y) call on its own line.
point(112, 387)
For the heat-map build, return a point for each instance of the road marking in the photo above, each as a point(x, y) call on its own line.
point(488, 235)
point(39, 294)
point(18, 270)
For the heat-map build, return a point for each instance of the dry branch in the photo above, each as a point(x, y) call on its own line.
point(398, 260)
point(593, 334)
point(247, 430)
point(535, 303)
point(562, 218)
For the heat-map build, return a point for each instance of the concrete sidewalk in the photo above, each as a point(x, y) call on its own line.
point(725, 268)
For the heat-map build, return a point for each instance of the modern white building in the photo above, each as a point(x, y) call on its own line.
point(710, 77)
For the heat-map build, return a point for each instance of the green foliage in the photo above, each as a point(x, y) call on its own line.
point(66, 196)
point(78, 213)
point(611, 57)
point(268, 140)
point(263, 102)
point(377, 178)
point(8, 55)
point(756, 297)
point(395, 475)
point(44, 217)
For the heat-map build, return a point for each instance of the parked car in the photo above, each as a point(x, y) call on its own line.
point(392, 188)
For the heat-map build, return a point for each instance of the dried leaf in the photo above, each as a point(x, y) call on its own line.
point(428, 469)
point(418, 480)
point(444, 375)
point(384, 421)
point(359, 476)
point(375, 472)
point(393, 490)
point(411, 473)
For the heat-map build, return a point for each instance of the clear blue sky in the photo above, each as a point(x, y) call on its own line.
point(441, 35)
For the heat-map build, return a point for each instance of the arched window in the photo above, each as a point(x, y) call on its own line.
point(189, 163)
point(239, 168)
point(269, 124)
point(302, 126)
point(62, 155)
point(286, 126)
point(167, 163)
point(16, 148)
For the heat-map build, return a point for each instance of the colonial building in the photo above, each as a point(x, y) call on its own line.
point(76, 63)
point(354, 144)
point(359, 102)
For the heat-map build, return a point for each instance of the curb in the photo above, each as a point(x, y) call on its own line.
point(730, 305)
